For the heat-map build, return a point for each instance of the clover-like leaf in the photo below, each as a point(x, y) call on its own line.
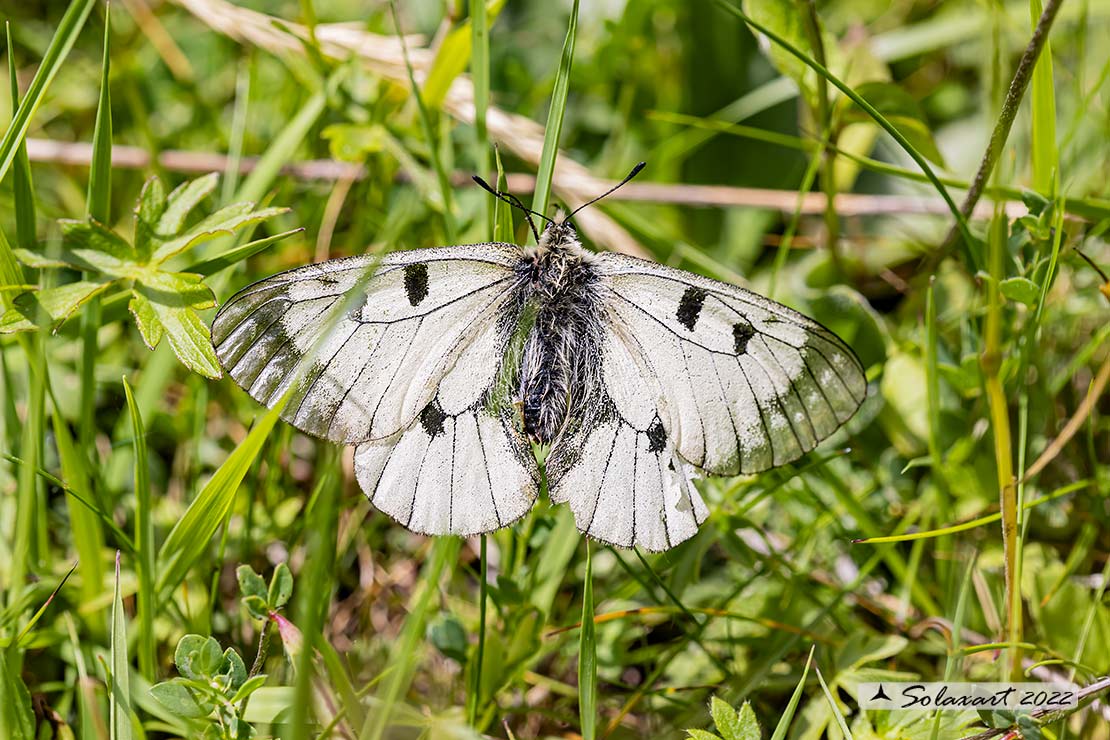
point(256, 606)
point(183, 698)
point(281, 587)
point(198, 657)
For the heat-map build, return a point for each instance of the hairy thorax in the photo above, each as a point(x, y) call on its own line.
point(561, 353)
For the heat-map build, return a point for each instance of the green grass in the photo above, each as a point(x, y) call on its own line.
point(132, 488)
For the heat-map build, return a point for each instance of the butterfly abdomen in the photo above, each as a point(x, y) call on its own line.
point(561, 357)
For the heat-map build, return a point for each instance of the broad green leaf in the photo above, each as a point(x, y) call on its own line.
point(353, 142)
point(148, 210)
point(252, 684)
point(119, 700)
point(198, 657)
point(233, 667)
point(901, 110)
point(179, 696)
point(783, 17)
point(250, 583)
point(449, 637)
point(749, 725)
point(452, 57)
point(725, 718)
point(92, 246)
point(182, 201)
point(256, 606)
point(16, 718)
point(177, 288)
point(188, 335)
point(281, 586)
point(227, 220)
point(1022, 290)
point(48, 308)
point(145, 318)
point(189, 538)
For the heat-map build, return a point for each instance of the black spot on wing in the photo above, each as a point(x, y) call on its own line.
point(432, 418)
point(742, 332)
point(689, 307)
point(657, 436)
point(416, 282)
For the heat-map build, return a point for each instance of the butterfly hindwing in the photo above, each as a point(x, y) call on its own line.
point(740, 383)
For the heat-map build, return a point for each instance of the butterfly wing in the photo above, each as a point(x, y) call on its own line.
point(701, 374)
point(400, 354)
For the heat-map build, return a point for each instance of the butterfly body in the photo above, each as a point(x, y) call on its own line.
point(444, 365)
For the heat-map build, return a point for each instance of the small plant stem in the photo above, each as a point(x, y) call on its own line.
point(263, 649)
point(991, 362)
point(825, 120)
point(1005, 122)
point(476, 687)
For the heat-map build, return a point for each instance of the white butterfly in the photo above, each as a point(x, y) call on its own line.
point(454, 359)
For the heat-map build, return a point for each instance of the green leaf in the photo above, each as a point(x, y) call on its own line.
point(696, 734)
point(353, 142)
point(1022, 290)
point(90, 245)
point(449, 637)
point(180, 697)
point(784, 18)
point(99, 199)
point(198, 657)
point(234, 668)
point(146, 319)
point(16, 717)
point(252, 684)
point(48, 308)
point(452, 57)
point(587, 651)
point(900, 109)
point(148, 211)
point(256, 606)
point(281, 587)
point(64, 37)
point(250, 583)
point(182, 201)
point(227, 220)
point(725, 718)
point(238, 254)
point(749, 725)
point(173, 300)
point(36, 260)
point(143, 537)
point(119, 700)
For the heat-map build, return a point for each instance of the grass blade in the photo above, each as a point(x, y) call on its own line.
point(587, 656)
point(1043, 100)
point(479, 75)
point(792, 706)
point(546, 171)
point(99, 200)
point(119, 700)
point(64, 37)
point(143, 538)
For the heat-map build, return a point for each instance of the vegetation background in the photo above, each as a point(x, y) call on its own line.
point(154, 517)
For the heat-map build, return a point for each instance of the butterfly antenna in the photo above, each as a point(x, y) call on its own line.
point(635, 171)
point(515, 202)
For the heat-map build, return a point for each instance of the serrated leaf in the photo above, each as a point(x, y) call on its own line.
point(146, 320)
point(1022, 290)
point(281, 587)
point(250, 583)
point(180, 697)
point(900, 108)
point(36, 260)
point(182, 201)
point(702, 735)
point(173, 299)
point(725, 718)
point(749, 725)
point(227, 220)
point(48, 308)
point(148, 210)
point(178, 288)
point(237, 254)
point(92, 246)
point(198, 657)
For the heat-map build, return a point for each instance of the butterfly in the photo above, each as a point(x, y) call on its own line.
point(444, 365)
